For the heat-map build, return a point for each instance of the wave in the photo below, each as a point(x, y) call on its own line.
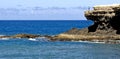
point(32, 39)
point(41, 39)
point(89, 41)
point(4, 38)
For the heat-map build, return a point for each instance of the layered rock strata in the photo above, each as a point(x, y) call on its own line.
point(105, 17)
point(106, 27)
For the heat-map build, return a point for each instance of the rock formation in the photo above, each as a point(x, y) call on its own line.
point(25, 36)
point(106, 27)
point(105, 17)
point(21, 36)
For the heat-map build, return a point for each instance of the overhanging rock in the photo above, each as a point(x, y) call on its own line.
point(105, 17)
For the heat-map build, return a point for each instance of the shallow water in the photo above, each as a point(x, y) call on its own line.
point(25, 49)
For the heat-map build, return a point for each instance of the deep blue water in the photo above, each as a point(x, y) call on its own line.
point(42, 49)
point(49, 27)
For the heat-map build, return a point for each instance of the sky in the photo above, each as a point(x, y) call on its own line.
point(48, 9)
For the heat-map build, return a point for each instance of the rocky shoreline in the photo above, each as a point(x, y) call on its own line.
point(21, 36)
point(71, 37)
point(106, 27)
point(82, 35)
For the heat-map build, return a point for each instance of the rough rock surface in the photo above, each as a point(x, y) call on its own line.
point(105, 17)
point(106, 27)
point(21, 36)
point(25, 36)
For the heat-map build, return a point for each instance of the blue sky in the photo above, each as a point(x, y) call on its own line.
point(47, 9)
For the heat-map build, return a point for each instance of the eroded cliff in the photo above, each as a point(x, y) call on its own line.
point(106, 27)
point(105, 17)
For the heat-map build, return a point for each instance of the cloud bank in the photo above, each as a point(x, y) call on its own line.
point(51, 13)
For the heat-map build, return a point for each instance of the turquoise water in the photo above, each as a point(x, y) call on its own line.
point(24, 49)
point(43, 49)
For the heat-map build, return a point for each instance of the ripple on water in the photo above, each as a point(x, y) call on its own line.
point(17, 49)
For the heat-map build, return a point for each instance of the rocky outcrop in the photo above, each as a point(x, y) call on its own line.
point(25, 36)
point(105, 17)
point(106, 27)
point(21, 36)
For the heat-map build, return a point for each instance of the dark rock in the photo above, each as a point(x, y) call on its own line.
point(25, 36)
point(21, 36)
point(5, 36)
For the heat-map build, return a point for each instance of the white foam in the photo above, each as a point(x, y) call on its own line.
point(32, 39)
point(4, 39)
point(88, 41)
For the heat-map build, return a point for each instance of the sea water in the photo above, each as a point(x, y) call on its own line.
point(41, 48)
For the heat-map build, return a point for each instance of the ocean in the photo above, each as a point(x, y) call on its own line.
point(44, 49)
